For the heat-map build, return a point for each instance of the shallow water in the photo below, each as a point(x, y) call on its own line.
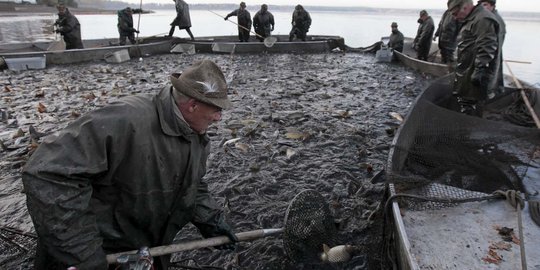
point(359, 29)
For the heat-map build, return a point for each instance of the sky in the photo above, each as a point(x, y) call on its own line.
point(503, 5)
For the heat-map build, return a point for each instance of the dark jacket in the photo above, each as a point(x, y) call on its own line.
point(182, 20)
point(497, 86)
point(301, 20)
point(124, 176)
point(263, 22)
point(425, 34)
point(447, 31)
point(478, 51)
point(68, 26)
point(125, 23)
point(244, 18)
point(396, 41)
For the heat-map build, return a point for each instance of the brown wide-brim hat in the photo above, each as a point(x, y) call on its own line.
point(204, 82)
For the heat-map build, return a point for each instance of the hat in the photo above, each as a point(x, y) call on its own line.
point(492, 2)
point(452, 4)
point(204, 82)
point(423, 12)
point(394, 24)
point(242, 4)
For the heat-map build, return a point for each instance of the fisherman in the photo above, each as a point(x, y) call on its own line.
point(182, 20)
point(68, 26)
point(498, 85)
point(478, 54)
point(396, 38)
point(263, 22)
point(244, 22)
point(422, 41)
point(301, 21)
point(447, 31)
point(128, 175)
point(125, 26)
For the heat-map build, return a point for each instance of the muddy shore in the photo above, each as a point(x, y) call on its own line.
point(315, 121)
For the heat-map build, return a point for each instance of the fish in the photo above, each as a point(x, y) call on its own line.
point(341, 253)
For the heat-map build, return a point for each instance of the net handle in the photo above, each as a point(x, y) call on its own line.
point(197, 244)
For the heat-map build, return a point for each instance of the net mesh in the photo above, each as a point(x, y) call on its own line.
point(438, 147)
point(308, 225)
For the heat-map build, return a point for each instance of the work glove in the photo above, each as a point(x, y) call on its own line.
point(137, 31)
point(272, 28)
point(435, 38)
point(479, 77)
point(218, 227)
point(226, 18)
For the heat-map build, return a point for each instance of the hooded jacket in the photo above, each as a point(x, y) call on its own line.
point(70, 29)
point(478, 51)
point(125, 23)
point(124, 176)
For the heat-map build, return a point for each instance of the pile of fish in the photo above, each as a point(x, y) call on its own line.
point(316, 121)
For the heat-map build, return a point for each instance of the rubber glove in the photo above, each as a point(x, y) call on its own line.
point(218, 227)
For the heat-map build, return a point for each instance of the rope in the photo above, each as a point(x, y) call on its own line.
point(513, 197)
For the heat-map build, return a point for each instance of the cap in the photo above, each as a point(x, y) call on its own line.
point(492, 2)
point(452, 4)
point(423, 12)
point(394, 24)
point(204, 82)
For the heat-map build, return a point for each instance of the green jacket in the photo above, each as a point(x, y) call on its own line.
point(478, 48)
point(124, 176)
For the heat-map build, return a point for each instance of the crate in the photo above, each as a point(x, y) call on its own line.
point(117, 57)
point(25, 63)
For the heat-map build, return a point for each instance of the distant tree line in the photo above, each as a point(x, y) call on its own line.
point(69, 3)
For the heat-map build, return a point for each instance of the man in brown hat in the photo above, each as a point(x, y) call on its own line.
point(478, 54)
point(128, 175)
point(423, 39)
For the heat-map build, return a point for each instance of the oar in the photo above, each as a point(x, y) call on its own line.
point(197, 244)
point(524, 96)
point(268, 41)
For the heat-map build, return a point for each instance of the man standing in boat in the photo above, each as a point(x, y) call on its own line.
point(125, 26)
point(301, 21)
point(447, 31)
point(422, 41)
point(396, 38)
point(128, 175)
point(263, 22)
point(244, 22)
point(478, 54)
point(68, 26)
point(182, 20)
point(498, 85)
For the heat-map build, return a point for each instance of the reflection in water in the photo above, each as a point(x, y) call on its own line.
point(27, 29)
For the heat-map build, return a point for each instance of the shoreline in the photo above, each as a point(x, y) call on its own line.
point(9, 9)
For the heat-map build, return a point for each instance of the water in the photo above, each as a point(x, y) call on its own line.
point(359, 30)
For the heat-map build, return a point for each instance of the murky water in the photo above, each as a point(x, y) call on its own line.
point(358, 29)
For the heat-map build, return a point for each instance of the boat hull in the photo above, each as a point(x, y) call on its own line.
point(461, 236)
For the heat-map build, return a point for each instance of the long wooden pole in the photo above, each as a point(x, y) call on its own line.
point(524, 96)
point(139, 20)
point(196, 244)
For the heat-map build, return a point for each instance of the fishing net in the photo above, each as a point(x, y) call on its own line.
point(447, 154)
point(308, 225)
point(16, 248)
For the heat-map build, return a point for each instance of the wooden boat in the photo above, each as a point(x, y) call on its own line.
point(440, 153)
point(96, 49)
point(230, 44)
point(433, 66)
point(101, 48)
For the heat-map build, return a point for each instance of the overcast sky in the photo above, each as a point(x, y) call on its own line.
point(503, 5)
